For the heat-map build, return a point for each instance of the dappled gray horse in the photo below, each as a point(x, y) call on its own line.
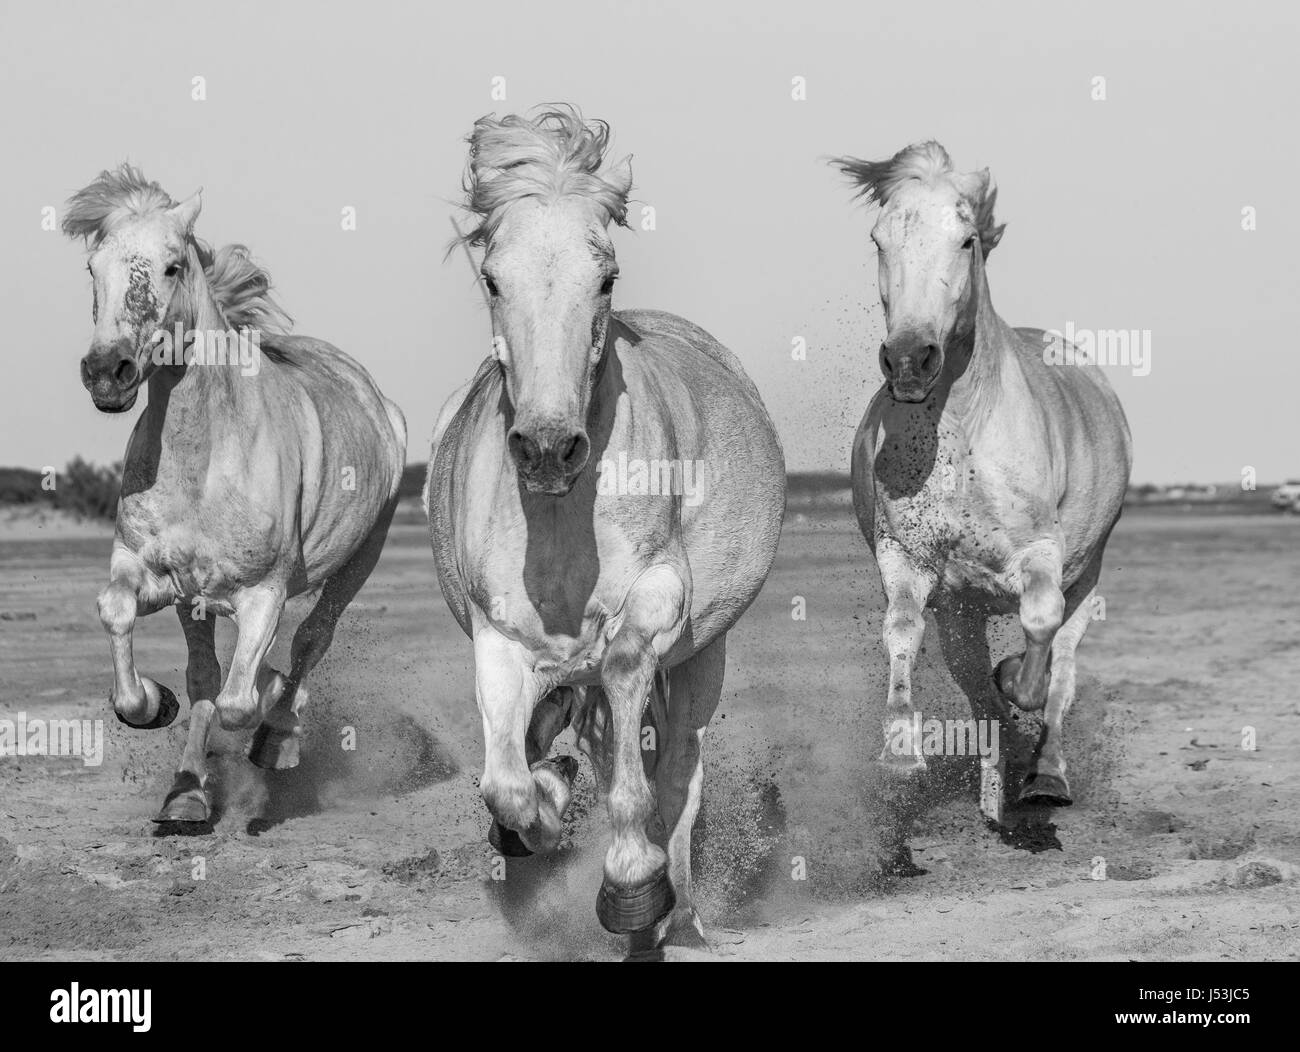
point(264, 466)
point(985, 479)
point(604, 503)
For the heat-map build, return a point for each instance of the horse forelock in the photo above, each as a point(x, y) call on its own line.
point(240, 287)
point(552, 155)
point(928, 163)
point(112, 197)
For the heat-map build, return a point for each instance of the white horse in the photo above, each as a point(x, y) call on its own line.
point(263, 467)
point(604, 504)
point(985, 479)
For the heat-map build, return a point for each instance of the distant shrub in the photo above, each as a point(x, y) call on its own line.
point(89, 490)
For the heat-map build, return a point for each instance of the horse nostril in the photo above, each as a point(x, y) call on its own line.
point(886, 366)
point(929, 356)
point(574, 451)
point(126, 372)
point(524, 450)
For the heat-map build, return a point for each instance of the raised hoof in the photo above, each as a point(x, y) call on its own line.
point(625, 911)
point(168, 708)
point(1045, 790)
point(274, 750)
point(506, 841)
point(1005, 677)
point(186, 803)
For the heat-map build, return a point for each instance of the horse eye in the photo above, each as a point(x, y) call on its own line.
point(968, 244)
point(172, 270)
point(493, 291)
point(607, 286)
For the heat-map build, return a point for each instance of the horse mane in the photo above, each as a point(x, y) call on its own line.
point(929, 163)
point(552, 155)
point(240, 287)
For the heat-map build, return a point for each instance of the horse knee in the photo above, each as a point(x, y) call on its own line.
point(904, 625)
point(511, 796)
point(117, 608)
point(1042, 612)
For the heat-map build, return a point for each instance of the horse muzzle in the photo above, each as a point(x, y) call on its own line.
point(911, 366)
point(549, 459)
point(112, 377)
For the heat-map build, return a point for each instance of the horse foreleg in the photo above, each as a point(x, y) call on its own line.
point(694, 688)
point(550, 717)
point(1047, 784)
point(1023, 678)
point(529, 799)
point(188, 799)
point(133, 591)
point(636, 892)
point(248, 690)
point(907, 590)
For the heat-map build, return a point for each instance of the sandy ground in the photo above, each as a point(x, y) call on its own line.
point(380, 852)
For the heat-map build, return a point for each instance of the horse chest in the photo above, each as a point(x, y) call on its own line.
point(209, 547)
point(955, 528)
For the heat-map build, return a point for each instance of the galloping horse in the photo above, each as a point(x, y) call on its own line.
point(985, 479)
point(264, 466)
point(604, 504)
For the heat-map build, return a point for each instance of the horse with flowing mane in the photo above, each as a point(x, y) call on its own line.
point(264, 466)
point(986, 478)
point(604, 503)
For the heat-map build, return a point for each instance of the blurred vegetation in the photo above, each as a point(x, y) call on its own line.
point(81, 488)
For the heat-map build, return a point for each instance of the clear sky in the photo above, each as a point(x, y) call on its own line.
point(1124, 213)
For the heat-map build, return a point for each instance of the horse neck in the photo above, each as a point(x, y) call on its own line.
point(195, 406)
point(991, 361)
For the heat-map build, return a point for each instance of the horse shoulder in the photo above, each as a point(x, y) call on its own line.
point(644, 322)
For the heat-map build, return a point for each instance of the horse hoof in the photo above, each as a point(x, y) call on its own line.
point(274, 750)
point(568, 767)
point(623, 911)
point(187, 802)
point(168, 708)
point(1008, 672)
point(1046, 789)
point(506, 841)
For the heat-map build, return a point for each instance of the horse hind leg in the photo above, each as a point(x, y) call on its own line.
point(277, 742)
point(188, 801)
point(694, 689)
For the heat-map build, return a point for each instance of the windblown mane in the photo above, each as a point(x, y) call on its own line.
point(928, 162)
point(553, 155)
point(240, 287)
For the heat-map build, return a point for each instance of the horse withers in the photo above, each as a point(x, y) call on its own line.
point(986, 478)
point(604, 503)
point(264, 466)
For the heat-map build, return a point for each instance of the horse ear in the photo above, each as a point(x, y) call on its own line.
point(990, 234)
point(188, 210)
point(620, 175)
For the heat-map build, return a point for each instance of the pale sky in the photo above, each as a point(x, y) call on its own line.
point(1122, 214)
